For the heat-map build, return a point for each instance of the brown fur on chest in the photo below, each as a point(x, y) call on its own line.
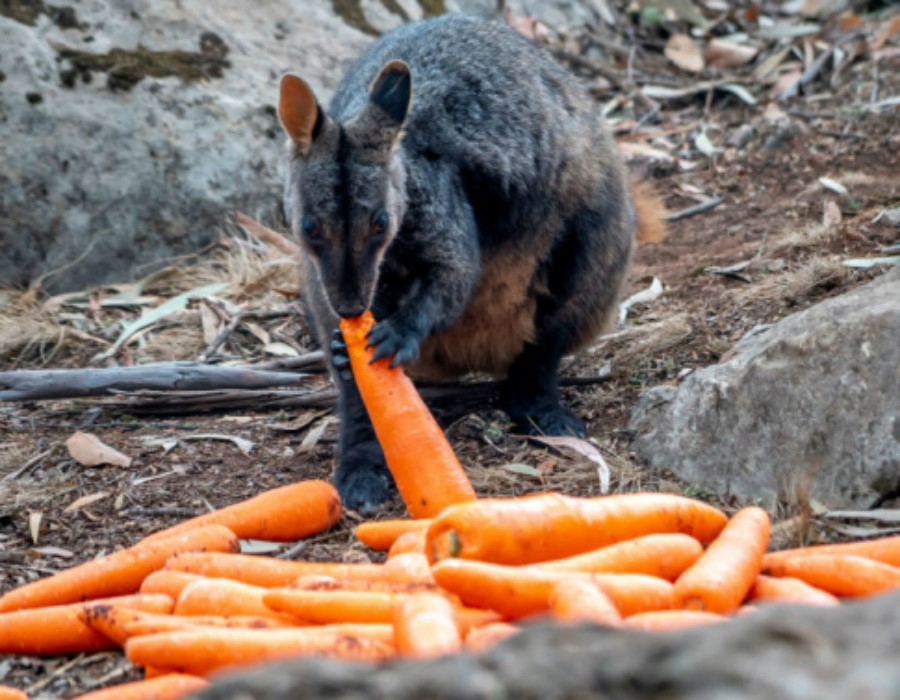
point(493, 330)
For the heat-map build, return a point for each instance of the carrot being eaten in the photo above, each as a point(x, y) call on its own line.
point(841, 574)
point(116, 574)
point(381, 534)
point(666, 556)
point(170, 686)
point(59, 629)
point(429, 477)
point(719, 580)
point(425, 626)
point(550, 526)
point(284, 514)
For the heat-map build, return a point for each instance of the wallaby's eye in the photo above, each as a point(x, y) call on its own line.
point(380, 222)
point(310, 227)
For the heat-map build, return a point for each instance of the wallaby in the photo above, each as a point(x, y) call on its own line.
point(461, 185)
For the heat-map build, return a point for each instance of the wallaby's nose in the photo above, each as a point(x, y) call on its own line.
point(350, 309)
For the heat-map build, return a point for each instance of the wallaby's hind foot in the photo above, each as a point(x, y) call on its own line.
point(362, 479)
point(543, 417)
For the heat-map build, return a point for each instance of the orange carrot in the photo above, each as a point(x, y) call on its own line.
point(664, 556)
point(425, 626)
point(745, 610)
point(410, 543)
point(221, 596)
point(118, 623)
point(203, 651)
point(516, 592)
point(10, 693)
point(429, 477)
point(115, 574)
point(268, 572)
point(59, 629)
point(841, 574)
point(322, 607)
point(468, 618)
point(328, 583)
point(885, 549)
point(172, 583)
point(381, 534)
point(719, 580)
point(551, 526)
point(171, 686)
point(667, 620)
point(280, 515)
point(789, 590)
point(581, 600)
point(409, 566)
point(483, 638)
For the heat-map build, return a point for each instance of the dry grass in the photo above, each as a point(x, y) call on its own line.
point(798, 285)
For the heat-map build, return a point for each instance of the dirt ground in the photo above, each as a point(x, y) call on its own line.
point(771, 219)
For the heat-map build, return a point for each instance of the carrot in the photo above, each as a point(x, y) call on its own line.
point(59, 629)
point(841, 574)
point(381, 534)
point(516, 592)
point(885, 549)
point(265, 571)
point(203, 651)
point(580, 600)
point(221, 596)
point(118, 622)
point(280, 515)
point(410, 543)
point(425, 626)
point(328, 583)
point(483, 638)
point(667, 620)
point(468, 618)
point(719, 580)
point(664, 556)
point(429, 477)
point(10, 693)
point(172, 583)
point(115, 574)
point(745, 610)
point(168, 687)
point(322, 607)
point(409, 566)
point(550, 526)
point(789, 590)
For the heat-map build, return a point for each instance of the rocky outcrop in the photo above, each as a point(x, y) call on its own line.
point(132, 129)
point(809, 408)
point(780, 653)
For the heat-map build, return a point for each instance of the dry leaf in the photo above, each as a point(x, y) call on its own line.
point(727, 54)
point(822, 8)
point(548, 465)
point(34, 524)
point(524, 469)
point(85, 501)
point(88, 450)
point(54, 552)
point(280, 350)
point(582, 447)
point(244, 445)
point(831, 214)
point(785, 85)
point(210, 322)
point(891, 30)
point(684, 53)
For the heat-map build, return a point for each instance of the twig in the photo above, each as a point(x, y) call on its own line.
point(293, 551)
point(25, 467)
point(232, 326)
point(696, 209)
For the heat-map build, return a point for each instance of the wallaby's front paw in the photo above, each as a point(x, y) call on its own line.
point(340, 358)
point(363, 486)
point(391, 339)
point(546, 419)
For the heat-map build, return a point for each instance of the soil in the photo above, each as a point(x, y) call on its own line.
point(771, 218)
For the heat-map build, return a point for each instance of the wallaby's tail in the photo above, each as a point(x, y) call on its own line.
point(651, 213)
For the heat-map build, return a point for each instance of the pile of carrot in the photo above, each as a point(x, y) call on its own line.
point(185, 606)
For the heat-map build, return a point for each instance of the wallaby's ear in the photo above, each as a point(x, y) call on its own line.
point(391, 91)
point(299, 111)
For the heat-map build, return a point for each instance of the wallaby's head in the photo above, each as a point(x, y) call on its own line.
point(345, 192)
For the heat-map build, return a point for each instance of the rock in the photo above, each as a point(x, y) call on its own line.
point(809, 408)
point(779, 653)
point(133, 130)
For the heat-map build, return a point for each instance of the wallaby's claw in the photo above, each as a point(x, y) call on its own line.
point(340, 360)
point(389, 341)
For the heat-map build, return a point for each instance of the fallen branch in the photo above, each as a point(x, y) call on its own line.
point(38, 385)
point(696, 209)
